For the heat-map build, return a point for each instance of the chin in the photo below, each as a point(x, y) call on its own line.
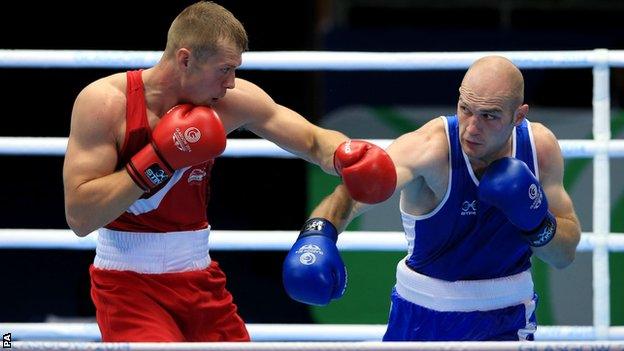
point(472, 152)
point(208, 103)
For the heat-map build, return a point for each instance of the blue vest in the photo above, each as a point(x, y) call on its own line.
point(462, 238)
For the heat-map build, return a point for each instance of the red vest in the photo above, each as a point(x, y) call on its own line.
point(177, 205)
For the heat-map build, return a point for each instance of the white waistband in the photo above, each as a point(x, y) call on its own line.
point(152, 252)
point(463, 295)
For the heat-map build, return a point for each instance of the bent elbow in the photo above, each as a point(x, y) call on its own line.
point(79, 230)
point(565, 260)
point(565, 253)
point(561, 264)
point(79, 227)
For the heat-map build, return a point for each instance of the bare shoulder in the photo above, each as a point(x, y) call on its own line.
point(546, 144)
point(97, 124)
point(424, 150)
point(541, 133)
point(246, 87)
point(245, 103)
point(104, 98)
point(428, 142)
point(247, 94)
point(549, 157)
point(99, 109)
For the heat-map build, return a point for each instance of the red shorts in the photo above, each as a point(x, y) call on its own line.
point(185, 306)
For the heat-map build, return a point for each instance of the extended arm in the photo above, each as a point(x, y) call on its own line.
point(354, 160)
point(252, 108)
point(318, 277)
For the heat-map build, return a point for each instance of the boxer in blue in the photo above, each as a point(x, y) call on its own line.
point(481, 192)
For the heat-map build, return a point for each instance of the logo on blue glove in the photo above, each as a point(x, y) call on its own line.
point(308, 253)
point(535, 194)
point(314, 225)
point(307, 258)
point(544, 235)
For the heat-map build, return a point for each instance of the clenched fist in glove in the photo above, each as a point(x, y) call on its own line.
point(185, 136)
point(367, 171)
point(509, 185)
point(313, 271)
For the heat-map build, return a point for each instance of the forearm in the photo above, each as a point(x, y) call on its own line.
point(325, 144)
point(560, 252)
point(98, 202)
point(339, 208)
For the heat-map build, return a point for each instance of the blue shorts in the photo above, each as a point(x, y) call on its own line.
point(411, 322)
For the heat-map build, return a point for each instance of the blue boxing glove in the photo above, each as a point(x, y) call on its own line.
point(313, 270)
point(509, 185)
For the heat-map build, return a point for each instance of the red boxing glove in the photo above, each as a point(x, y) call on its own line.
point(367, 171)
point(185, 136)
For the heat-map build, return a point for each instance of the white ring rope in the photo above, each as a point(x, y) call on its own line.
point(55, 146)
point(327, 346)
point(284, 332)
point(255, 240)
point(317, 60)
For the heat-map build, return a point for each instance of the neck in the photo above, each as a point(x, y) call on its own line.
point(161, 87)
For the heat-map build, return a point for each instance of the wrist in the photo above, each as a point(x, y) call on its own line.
point(348, 153)
point(136, 177)
point(543, 233)
point(319, 226)
point(336, 161)
point(147, 169)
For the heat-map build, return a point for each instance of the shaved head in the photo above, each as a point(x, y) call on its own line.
point(490, 105)
point(494, 77)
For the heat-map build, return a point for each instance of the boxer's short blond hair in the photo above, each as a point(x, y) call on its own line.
point(202, 28)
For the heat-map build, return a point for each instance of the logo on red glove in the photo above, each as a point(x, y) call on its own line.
point(183, 141)
point(347, 146)
point(155, 174)
point(192, 135)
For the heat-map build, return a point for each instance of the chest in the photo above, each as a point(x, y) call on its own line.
point(148, 120)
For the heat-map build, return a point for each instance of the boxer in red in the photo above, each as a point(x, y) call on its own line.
point(137, 168)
